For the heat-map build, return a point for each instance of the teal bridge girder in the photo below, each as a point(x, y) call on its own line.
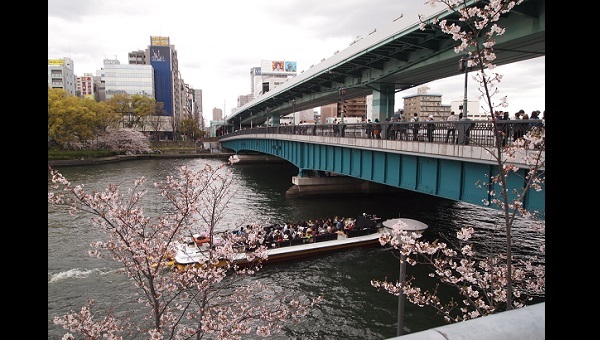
point(427, 168)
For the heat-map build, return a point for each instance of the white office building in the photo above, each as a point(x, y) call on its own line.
point(127, 78)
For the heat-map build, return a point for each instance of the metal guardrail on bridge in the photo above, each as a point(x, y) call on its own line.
point(462, 132)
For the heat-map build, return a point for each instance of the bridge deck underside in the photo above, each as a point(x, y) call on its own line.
point(452, 179)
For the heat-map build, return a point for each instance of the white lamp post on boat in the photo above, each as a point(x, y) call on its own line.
point(409, 225)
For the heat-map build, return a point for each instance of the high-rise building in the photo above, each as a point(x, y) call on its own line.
point(170, 89)
point(217, 114)
point(161, 61)
point(197, 110)
point(61, 75)
point(244, 99)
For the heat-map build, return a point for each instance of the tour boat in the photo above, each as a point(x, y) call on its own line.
point(365, 232)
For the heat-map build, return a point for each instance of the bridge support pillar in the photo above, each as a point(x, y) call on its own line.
point(327, 183)
point(275, 119)
point(384, 100)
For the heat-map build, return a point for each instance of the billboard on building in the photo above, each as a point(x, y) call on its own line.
point(159, 41)
point(55, 62)
point(290, 66)
point(159, 53)
point(277, 67)
point(160, 59)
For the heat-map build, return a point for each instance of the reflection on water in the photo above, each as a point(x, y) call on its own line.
point(352, 309)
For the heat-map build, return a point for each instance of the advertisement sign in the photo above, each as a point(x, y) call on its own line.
point(159, 53)
point(290, 66)
point(278, 67)
point(159, 41)
point(55, 61)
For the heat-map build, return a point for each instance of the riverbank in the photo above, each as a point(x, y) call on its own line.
point(120, 158)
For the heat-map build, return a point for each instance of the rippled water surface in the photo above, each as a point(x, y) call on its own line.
point(352, 309)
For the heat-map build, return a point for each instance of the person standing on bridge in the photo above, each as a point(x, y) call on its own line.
point(402, 133)
point(377, 129)
point(415, 126)
point(369, 129)
point(518, 128)
point(451, 127)
point(430, 128)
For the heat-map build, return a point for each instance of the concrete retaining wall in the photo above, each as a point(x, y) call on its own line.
point(524, 323)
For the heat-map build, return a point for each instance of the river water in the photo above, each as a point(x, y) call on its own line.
point(352, 309)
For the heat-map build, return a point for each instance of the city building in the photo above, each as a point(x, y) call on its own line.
point(472, 109)
point(244, 99)
point(355, 110)
point(127, 79)
point(85, 86)
point(138, 57)
point(217, 114)
point(164, 72)
point(61, 75)
point(269, 75)
point(425, 104)
point(197, 107)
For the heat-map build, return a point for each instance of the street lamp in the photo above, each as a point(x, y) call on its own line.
point(294, 110)
point(342, 93)
point(463, 66)
point(408, 225)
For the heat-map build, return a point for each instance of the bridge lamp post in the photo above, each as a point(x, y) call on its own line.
point(463, 65)
point(342, 93)
point(294, 110)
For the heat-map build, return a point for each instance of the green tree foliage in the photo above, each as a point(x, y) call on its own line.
point(76, 123)
point(121, 104)
point(71, 120)
point(106, 117)
point(189, 129)
point(141, 107)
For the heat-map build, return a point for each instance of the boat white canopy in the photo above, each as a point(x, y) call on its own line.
point(407, 224)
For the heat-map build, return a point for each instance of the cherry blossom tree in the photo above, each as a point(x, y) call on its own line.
point(125, 139)
point(494, 280)
point(212, 297)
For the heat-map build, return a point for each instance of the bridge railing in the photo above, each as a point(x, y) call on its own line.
point(462, 132)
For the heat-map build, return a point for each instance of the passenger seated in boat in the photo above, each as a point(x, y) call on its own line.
point(348, 227)
point(340, 225)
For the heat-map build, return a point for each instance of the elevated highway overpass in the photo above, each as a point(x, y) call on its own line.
point(390, 60)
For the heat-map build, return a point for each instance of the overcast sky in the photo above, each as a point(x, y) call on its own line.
point(218, 42)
